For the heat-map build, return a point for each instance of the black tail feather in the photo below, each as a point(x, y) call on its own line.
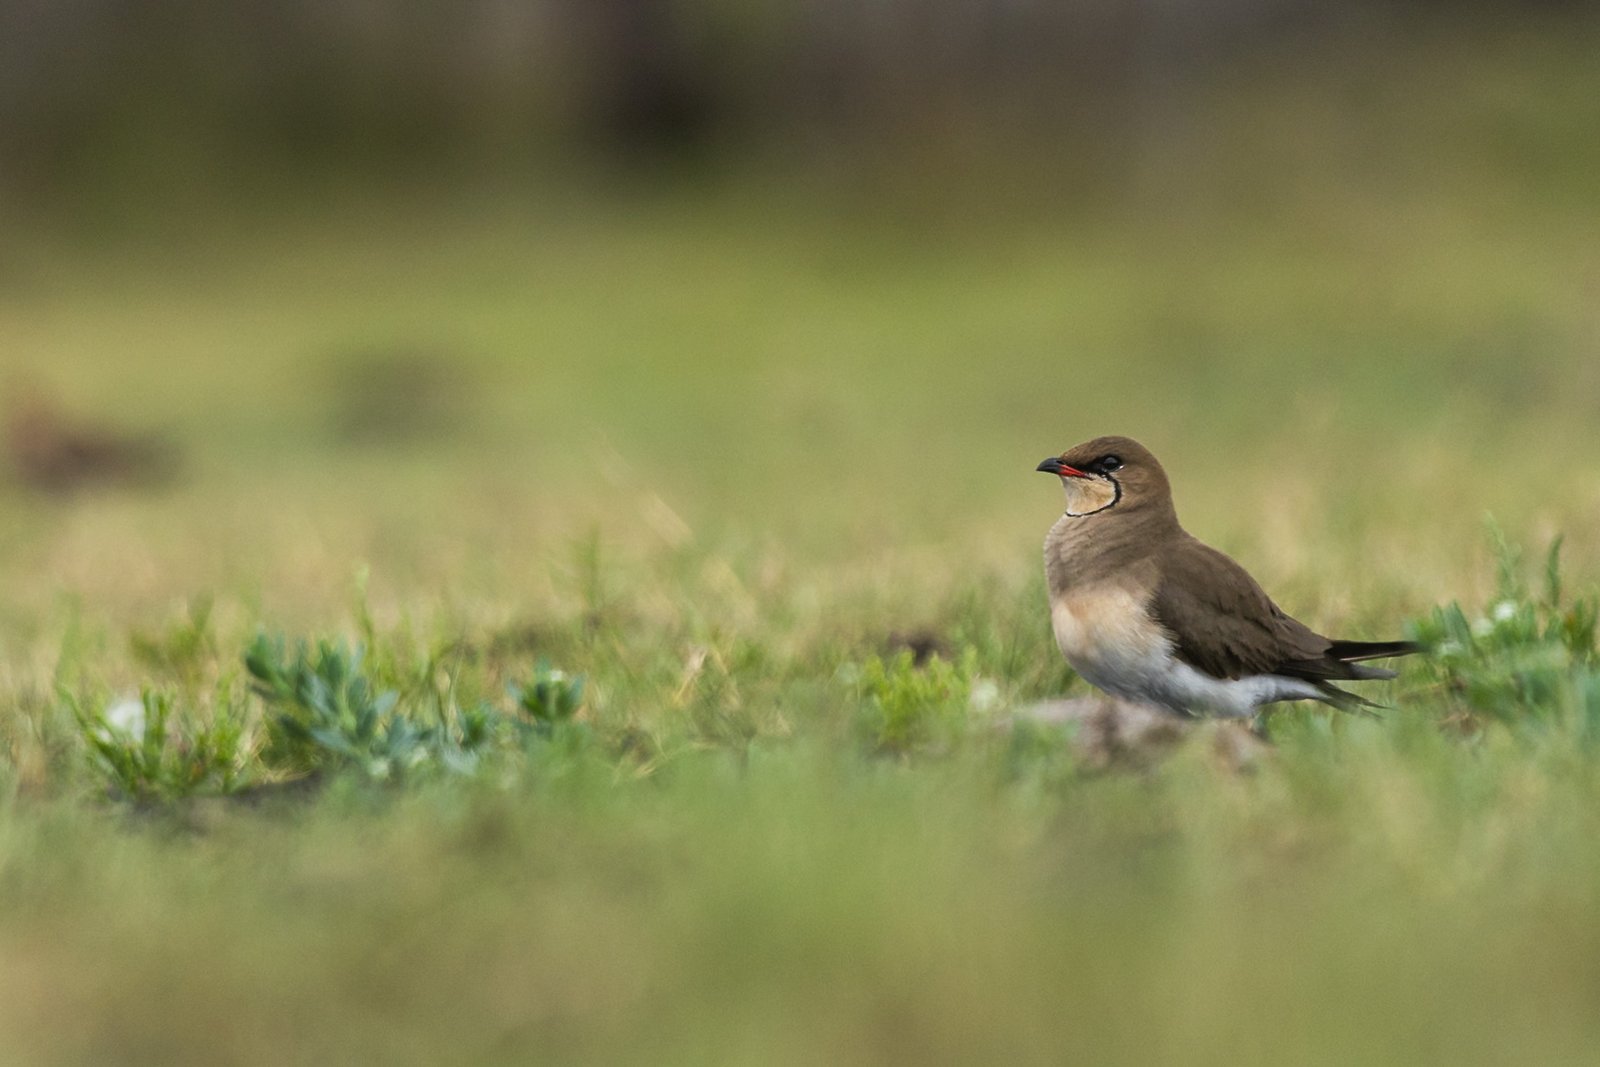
point(1355, 651)
point(1345, 700)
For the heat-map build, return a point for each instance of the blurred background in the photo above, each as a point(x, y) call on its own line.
point(290, 284)
point(180, 96)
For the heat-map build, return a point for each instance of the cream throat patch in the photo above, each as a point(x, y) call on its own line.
point(1085, 496)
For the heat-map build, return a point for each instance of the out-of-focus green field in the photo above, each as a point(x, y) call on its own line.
point(715, 448)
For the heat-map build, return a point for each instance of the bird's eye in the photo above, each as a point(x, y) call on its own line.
point(1107, 464)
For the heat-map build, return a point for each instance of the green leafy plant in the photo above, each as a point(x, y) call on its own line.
point(549, 703)
point(330, 714)
point(1529, 655)
point(550, 699)
point(906, 706)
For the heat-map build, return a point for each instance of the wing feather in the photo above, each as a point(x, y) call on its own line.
point(1223, 623)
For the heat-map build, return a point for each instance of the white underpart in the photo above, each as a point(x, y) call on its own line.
point(1108, 636)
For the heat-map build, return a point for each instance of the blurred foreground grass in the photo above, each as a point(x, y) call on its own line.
point(715, 450)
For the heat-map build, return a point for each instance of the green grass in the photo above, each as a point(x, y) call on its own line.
point(604, 743)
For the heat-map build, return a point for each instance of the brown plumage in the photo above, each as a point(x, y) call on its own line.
point(1145, 611)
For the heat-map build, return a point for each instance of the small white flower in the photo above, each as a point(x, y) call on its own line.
point(1448, 648)
point(1505, 611)
point(985, 695)
point(124, 719)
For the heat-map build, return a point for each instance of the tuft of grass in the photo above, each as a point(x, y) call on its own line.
point(145, 752)
point(183, 647)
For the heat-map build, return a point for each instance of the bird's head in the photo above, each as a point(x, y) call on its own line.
point(1109, 475)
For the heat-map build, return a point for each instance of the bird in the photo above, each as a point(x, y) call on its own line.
point(1144, 611)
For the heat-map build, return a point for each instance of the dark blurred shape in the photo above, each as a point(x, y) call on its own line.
point(922, 644)
point(521, 640)
point(53, 452)
point(652, 95)
point(402, 396)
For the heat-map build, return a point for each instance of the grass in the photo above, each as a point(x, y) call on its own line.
point(646, 702)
